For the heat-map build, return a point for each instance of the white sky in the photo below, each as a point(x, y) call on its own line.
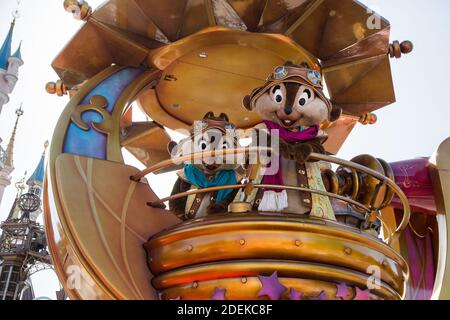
point(412, 127)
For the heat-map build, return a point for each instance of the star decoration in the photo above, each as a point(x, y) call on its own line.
point(321, 296)
point(271, 287)
point(219, 294)
point(295, 295)
point(362, 294)
point(342, 291)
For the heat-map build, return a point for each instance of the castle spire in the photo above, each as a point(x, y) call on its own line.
point(37, 178)
point(18, 53)
point(7, 159)
point(9, 64)
point(5, 51)
point(10, 148)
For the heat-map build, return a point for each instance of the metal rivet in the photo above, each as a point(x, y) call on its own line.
point(244, 279)
point(195, 284)
point(242, 242)
point(298, 243)
point(307, 201)
point(192, 212)
point(190, 248)
point(203, 55)
point(302, 172)
point(258, 201)
point(348, 251)
point(198, 200)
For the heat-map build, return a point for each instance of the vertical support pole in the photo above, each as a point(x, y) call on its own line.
point(7, 282)
point(15, 291)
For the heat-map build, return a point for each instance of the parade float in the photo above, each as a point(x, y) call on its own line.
point(111, 237)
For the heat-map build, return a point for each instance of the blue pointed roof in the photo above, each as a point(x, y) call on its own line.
point(5, 51)
point(18, 53)
point(38, 174)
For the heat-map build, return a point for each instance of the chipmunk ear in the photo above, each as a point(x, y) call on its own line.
point(335, 113)
point(209, 115)
point(305, 64)
point(172, 147)
point(224, 117)
point(289, 64)
point(247, 103)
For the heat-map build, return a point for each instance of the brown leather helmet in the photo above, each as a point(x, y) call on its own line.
point(210, 121)
point(290, 73)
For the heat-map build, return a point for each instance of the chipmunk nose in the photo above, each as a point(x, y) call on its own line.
point(288, 110)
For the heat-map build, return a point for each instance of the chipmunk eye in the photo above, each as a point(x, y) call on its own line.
point(304, 98)
point(203, 145)
point(277, 94)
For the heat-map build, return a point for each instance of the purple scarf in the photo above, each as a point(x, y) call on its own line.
point(289, 137)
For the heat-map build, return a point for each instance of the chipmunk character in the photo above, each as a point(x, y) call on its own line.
point(212, 133)
point(293, 106)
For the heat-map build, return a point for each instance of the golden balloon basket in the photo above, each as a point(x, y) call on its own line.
point(229, 256)
point(313, 257)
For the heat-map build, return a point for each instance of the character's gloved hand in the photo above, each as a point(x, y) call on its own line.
point(286, 150)
point(216, 208)
point(303, 152)
point(317, 147)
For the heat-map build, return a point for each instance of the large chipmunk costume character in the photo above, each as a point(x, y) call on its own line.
point(212, 133)
point(293, 106)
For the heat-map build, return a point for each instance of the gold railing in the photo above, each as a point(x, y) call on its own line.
point(369, 211)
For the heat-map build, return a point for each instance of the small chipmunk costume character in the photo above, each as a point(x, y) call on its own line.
point(293, 106)
point(212, 133)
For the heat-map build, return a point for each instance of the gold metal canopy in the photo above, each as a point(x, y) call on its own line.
point(213, 52)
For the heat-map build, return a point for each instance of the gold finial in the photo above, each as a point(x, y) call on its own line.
point(396, 49)
point(58, 88)
point(10, 148)
point(80, 9)
point(19, 112)
point(16, 13)
point(46, 144)
point(368, 118)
